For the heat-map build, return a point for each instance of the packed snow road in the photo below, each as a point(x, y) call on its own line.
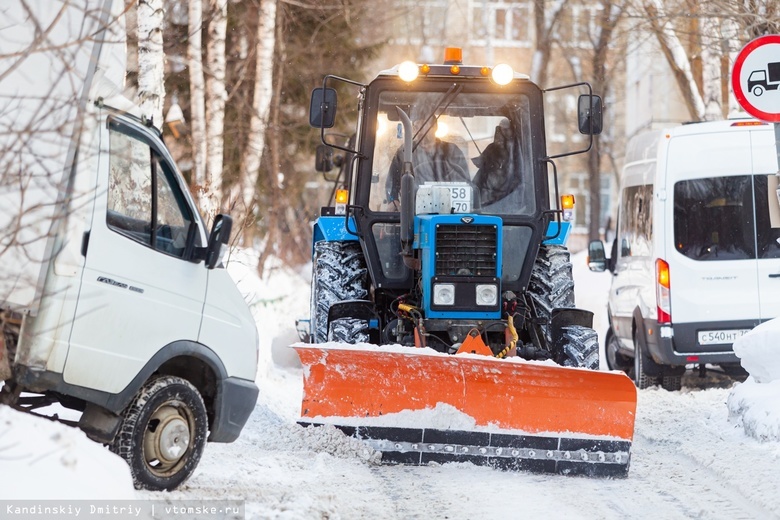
point(689, 460)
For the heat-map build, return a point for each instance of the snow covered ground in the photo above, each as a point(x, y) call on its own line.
point(710, 451)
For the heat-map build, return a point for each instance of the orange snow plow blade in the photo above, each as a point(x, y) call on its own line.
point(512, 414)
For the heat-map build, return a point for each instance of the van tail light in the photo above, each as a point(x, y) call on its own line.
point(663, 294)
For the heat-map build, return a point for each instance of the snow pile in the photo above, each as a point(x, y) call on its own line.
point(42, 459)
point(755, 404)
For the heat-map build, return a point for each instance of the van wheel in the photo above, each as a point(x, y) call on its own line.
point(671, 383)
point(616, 360)
point(641, 378)
point(339, 273)
point(163, 433)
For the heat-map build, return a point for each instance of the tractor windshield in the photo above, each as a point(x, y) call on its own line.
point(477, 144)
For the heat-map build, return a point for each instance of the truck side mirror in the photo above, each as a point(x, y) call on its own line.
point(589, 114)
point(597, 257)
point(323, 162)
point(322, 110)
point(218, 240)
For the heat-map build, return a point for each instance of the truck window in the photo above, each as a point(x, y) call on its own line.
point(480, 141)
point(145, 203)
point(767, 216)
point(635, 232)
point(713, 218)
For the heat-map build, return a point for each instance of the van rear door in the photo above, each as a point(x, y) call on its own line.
point(713, 271)
point(767, 221)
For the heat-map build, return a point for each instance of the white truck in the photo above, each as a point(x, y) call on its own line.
point(113, 298)
point(696, 258)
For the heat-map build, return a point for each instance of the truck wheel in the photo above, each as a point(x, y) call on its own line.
point(551, 285)
point(338, 274)
point(348, 330)
point(163, 433)
point(758, 90)
point(641, 378)
point(580, 348)
point(671, 383)
point(616, 360)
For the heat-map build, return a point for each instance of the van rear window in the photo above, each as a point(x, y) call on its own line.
point(713, 218)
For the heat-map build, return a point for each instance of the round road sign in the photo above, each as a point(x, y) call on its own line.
point(755, 78)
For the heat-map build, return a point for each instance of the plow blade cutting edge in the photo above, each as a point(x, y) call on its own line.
point(418, 406)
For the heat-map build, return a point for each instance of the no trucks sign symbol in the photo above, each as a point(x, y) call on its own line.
point(756, 78)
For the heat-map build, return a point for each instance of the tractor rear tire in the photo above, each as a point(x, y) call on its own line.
point(339, 274)
point(551, 285)
point(580, 348)
point(615, 360)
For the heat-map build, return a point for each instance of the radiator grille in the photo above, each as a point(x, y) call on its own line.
point(466, 250)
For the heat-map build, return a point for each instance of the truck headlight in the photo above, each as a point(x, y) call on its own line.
point(444, 294)
point(487, 295)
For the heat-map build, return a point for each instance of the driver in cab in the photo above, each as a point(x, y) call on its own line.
point(432, 160)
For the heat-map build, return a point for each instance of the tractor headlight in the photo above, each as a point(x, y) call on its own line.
point(444, 294)
point(487, 295)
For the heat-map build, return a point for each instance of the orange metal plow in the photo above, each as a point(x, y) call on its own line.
point(522, 415)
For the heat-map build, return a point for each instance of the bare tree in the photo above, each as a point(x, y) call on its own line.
point(215, 98)
point(200, 182)
point(546, 17)
point(151, 59)
point(244, 195)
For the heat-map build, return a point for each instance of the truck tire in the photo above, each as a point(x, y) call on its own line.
point(163, 433)
point(551, 285)
point(641, 378)
point(671, 383)
point(615, 360)
point(339, 273)
point(580, 348)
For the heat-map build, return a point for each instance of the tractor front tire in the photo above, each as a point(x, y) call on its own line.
point(551, 285)
point(163, 433)
point(339, 274)
point(580, 348)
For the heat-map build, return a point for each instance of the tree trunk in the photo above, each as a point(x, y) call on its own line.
point(244, 194)
point(151, 59)
point(215, 100)
point(200, 183)
point(545, 20)
point(677, 58)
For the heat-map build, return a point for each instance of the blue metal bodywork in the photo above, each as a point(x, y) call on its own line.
point(563, 236)
point(425, 241)
point(334, 229)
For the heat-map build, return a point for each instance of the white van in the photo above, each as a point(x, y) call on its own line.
point(113, 299)
point(696, 258)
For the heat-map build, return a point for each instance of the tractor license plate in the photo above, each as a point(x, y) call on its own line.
point(460, 195)
point(716, 337)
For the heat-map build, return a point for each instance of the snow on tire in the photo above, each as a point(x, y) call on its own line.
point(348, 330)
point(580, 348)
point(551, 285)
point(163, 433)
point(339, 273)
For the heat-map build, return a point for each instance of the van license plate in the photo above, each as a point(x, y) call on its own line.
point(715, 337)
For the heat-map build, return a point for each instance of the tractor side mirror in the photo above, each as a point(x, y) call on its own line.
point(219, 238)
point(597, 257)
point(589, 114)
point(323, 162)
point(322, 110)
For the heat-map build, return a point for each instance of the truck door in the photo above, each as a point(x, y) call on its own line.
point(138, 294)
point(767, 222)
point(713, 272)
